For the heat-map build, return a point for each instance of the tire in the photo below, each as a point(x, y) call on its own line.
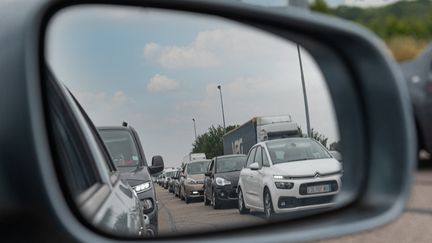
point(206, 201)
point(187, 199)
point(268, 205)
point(241, 204)
point(215, 202)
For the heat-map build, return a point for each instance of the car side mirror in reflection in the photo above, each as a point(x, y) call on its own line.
point(254, 166)
point(157, 164)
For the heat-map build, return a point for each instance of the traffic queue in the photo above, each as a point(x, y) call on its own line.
point(282, 171)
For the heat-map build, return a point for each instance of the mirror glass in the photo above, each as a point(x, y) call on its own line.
point(207, 94)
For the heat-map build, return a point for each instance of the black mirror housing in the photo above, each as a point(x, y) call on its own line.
point(157, 165)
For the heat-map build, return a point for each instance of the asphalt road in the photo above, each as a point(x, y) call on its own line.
point(177, 217)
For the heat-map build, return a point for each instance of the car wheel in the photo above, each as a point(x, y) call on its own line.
point(241, 204)
point(268, 205)
point(187, 199)
point(206, 201)
point(215, 202)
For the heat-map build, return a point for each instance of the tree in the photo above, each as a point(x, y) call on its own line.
point(320, 6)
point(319, 137)
point(211, 142)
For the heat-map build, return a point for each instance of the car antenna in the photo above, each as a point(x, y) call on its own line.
point(124, 124)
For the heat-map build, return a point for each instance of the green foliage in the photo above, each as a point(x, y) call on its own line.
point(319, 137)
point(320, 6)
point(403, 18)
point(211, 142)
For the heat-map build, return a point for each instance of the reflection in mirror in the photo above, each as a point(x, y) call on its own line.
point(207, 94)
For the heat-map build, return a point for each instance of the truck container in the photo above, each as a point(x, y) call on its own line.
point(258, 129)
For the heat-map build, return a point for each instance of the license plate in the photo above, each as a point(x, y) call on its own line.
point(318, 189)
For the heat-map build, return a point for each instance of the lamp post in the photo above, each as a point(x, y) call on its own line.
point(223, 113)
point(304, 92)
point(193, 119)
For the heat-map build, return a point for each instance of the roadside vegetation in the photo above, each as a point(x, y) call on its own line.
point(405, 26)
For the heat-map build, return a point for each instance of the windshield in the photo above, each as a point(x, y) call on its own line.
point(287, 150)
point(197, 167)
point(230, 164)
point(121, 147)
point(170, 174)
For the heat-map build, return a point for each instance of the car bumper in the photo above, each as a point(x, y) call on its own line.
point(297, 198)
point(152, 212)
point(194, 190)
point(226, 193)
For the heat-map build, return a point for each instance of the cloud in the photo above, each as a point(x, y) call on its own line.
point(179, 57)
point(161, 83)
point(103, 100)
point(219, 47)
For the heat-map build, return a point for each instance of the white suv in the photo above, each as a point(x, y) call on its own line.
point(286, 175)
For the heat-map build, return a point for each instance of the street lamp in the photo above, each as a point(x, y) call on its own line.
point(223, 113)
point(304, 93)
point(193, 119)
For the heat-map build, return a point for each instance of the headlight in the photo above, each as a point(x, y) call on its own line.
point(142, 187)
point(190, 181)
point(278, 177)
point(222, 182)
point(284, 185)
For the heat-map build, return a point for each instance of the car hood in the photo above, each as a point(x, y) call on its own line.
point(136, 176)
point(232, 176)
point(308, 167)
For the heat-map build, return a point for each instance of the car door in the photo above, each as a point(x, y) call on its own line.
point(245, 177)
point(101, 196)
point(256, 180)
point(208, 181)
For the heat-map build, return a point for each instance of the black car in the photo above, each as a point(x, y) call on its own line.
point(418, 73)
point(126, 151)
point(221, 180)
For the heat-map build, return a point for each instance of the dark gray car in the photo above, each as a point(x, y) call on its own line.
point(125, 149)
point(221, 180)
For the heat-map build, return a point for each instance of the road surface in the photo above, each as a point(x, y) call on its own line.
point(177, 217)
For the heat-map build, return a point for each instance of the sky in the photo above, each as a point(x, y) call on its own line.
point(159, 69)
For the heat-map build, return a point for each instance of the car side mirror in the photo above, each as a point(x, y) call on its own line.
point(254, 166)
point(157, 164)
point(208, 173)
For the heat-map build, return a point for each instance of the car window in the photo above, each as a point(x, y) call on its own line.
point(211, 165)
point(197, 167)
point(251, 157)
point(266, 162)
point(288, 150)
point(258, 156)
point(229, 164)
point(121, 147)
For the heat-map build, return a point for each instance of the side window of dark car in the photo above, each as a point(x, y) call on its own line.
point(210, 167)
point(251, 157)
point(258, 156)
